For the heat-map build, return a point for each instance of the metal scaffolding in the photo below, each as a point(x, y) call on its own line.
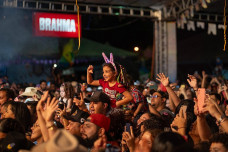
point(189, 8)
point(84, 8)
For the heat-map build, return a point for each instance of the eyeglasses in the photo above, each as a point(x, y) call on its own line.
point(150, 97)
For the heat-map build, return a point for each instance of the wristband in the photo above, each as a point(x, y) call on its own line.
point(51, 126)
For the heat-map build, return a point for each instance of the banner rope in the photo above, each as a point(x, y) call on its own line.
point(224, 49)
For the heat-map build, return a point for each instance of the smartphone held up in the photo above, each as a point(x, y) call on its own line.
point(201, 98)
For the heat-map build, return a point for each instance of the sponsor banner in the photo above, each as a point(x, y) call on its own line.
point(55, 25)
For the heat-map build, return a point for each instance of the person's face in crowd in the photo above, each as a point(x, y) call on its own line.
point(189, 94)
point(3, 111)
point(128, 115)
point(74, 128)
point(97, 107)
point(56, 117)
point(108, 74)
point(57, 94)
point(146, 139)
point(144, 117)
point(52, 87)
point(43, 86)
point(157, 100)
point(226, 111)
point(30, 85)
point(9, 113)
point(145, 91)
point(89, 130)
point(3, 97)
point(36, 132)
point(218, 147)
point(62, 92)
point(83, 78)
point(21, 91)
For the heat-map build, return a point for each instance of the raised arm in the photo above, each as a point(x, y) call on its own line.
point(90, 80)
point(192, 81)
point(213, 110)
point(202, 125)
point(127, 98)
point(40, 115)
point(51, 107)
point(165, 81)
point(203, 84)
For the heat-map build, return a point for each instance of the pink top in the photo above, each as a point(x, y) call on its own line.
point(112, 91)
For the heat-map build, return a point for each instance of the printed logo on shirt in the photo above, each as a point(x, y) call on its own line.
point(110, 93)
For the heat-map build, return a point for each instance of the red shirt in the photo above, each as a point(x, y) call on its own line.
point(112, 91)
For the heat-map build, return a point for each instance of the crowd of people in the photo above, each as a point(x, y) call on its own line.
point(116, 115)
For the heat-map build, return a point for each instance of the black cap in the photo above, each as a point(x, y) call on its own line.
point(98, 96)
point(78, 116)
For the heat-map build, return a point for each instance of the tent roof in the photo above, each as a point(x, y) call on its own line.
point(92, 48)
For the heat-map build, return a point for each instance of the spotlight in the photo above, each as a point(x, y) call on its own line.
point(54, 66)
point(136, 49)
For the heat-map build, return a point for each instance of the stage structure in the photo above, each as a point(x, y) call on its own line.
point(164, 13)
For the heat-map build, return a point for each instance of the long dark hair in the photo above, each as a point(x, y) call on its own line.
point(167, 142)
point(22, 114)
point(9, 124)
point(69, 90)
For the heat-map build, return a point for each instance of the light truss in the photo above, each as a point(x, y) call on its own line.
point(175, 8)
point(172, 10)
point(84, 8)
point(205, 17)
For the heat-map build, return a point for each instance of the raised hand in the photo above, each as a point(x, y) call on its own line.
point(100, 144)
point(210, 106)
point(83, 87)
point(173, 85)
point(80, 103)
point(163, 79)
point(192, 81)
point(90, 69)
point(40, 104)
point(129, 139)
point(51, 107)
point(204, 74)
point(61, 112)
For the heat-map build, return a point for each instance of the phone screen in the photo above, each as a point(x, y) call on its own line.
point(201, 98)
point(128, 127)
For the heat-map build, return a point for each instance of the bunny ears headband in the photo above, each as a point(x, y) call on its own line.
point(111, 60)
point(120, 77)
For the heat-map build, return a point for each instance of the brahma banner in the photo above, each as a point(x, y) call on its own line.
point(55, 25)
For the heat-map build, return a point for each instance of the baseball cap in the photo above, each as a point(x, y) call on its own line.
point(98, 96)
point(100, 120)
point(78, 116)
point(30, 92)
